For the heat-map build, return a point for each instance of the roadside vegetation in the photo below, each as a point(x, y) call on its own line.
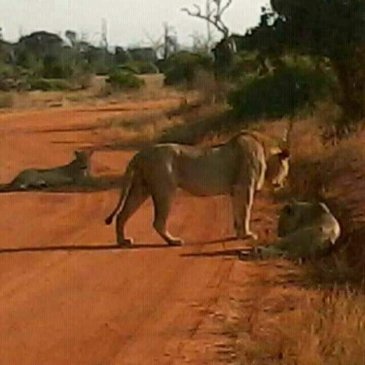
point(314, 79)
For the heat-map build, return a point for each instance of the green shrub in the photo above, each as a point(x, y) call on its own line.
point(49, 84)
point(124, 80)
point(54, 68)
point(281, 93)
point(245, 63)
point(12, 77)
point(139, 67)
point(182, 67)
point(6, 70)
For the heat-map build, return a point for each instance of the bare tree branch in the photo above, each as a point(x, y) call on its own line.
point(214, 17)
point(221, 28)
point(198, 9)
point(225, 7)
point(155, 43)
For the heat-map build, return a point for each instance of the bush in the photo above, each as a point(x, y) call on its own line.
point(49, 84)
point(53, 68)
point(139, 67)
point(245, 63)
point(6, 70)
point(281, 93)
point(182, 67)
point(124, 80)
point(12, 77)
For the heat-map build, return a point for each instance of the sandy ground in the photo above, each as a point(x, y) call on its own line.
point(68, 296)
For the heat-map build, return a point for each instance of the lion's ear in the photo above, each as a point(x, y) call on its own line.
point(275, 150)
point(88, 152)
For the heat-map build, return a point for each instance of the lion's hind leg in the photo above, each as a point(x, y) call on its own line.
point(137, 195)
point(162, 200)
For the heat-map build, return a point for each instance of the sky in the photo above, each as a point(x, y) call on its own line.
point(129, 22)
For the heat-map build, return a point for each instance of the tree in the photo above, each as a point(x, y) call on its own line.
point(170, 41)
point(201, 44)
point(225, 48)
point(166, 44)
point(334, 30)
point(72, 37)
point(213, 15)
point(157, 44)
point(32, 50)
point(121, 56)
point(41, 43)
point(146, 54)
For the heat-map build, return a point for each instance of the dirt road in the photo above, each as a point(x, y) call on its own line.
point(67, 296)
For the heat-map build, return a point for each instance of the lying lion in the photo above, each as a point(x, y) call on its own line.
point(238, 167)
point(74, 172)
point(306, 230)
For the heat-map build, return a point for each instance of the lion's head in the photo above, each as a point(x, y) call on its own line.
point(277, 155)
point(278, 168)
point(82, 159)
point(296, 215)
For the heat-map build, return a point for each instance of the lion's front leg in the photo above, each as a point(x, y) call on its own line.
point(242, 201)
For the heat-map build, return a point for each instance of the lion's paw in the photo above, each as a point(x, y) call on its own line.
point(124, 242)
point(176, 242)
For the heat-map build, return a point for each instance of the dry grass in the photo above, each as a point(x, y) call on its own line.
point(189, 123)
point(326, 325)
point(141, 129)
point(6, 100)
point(97, 92)
point(316, 164)
point(319, 330)
point(153, 89)
point(334, 174)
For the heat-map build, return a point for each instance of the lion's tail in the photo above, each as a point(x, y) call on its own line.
point(5, 188)
point(127, 183)
point(8, 187)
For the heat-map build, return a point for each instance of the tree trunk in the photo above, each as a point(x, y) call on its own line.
point(351, 79)
point(223, 57)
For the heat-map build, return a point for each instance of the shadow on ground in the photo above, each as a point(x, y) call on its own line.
point(226, 252)
point(219, 253)
point(214, 241)
point(135, 246)
point(89, 248)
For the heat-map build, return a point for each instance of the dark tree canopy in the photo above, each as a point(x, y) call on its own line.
point(330, 28)
point(41, 43)
point(334, 29)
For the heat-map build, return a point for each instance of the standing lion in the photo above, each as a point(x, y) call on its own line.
point(238, 168)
